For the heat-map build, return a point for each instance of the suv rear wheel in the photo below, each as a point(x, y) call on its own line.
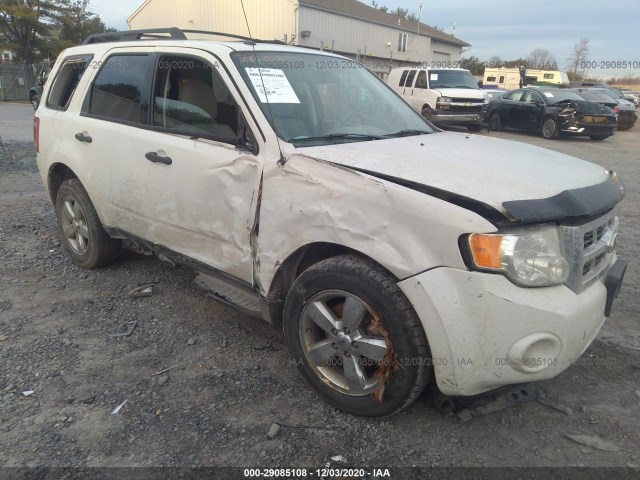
point(80, 228)
point(355, 337)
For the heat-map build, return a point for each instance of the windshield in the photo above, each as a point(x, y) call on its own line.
point(555, 96)
point(320, 100)
point(452, 79)
point(609, 93)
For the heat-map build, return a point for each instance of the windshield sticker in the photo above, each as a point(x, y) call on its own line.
point(548, 94)
point(274, 81)
point(433, 76)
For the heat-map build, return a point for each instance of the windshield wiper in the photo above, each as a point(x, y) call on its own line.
point(337, 136)
point(406, 133)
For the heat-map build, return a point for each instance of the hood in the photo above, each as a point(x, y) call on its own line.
point(626, 106)
point(487, 170)
point(460, 92)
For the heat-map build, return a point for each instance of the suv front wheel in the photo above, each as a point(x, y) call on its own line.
point(355, 337)
point(80, 228)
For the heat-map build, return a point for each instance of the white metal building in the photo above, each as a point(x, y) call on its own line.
point(348, 27)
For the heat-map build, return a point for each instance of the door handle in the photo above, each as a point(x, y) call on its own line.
point(155, 158)
point(81, 137)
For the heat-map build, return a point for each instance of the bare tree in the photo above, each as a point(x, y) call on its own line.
point(495, 62)
point(543, 59)
point(578, 58)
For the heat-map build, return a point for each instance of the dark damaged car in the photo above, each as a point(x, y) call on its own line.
point(552, 113)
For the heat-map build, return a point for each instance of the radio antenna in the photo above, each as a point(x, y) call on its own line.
point(282, 160)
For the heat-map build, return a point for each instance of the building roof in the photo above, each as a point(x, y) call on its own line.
point(361, 11)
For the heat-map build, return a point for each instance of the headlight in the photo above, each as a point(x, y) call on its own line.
point(529, 259)
point(445, 99)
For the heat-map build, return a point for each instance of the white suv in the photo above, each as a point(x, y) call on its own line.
point(316, 198)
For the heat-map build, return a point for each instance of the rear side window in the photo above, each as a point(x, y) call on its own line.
point(412, 75)
point(66, 81)
point(403, 77)
point(120, 92)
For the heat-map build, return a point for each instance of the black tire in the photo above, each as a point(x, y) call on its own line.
point(495, 122)
point(474, 128)
point(405, 366)
point(549, 128)
point(598, 138)
point(86, 241)
point(426, 112)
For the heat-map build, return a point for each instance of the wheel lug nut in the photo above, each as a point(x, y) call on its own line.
point(354, 344)
point(334, 346)
point(347, 354)
point(346, 330)
point(334, 331)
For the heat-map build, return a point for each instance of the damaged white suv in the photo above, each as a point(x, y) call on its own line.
point(312, 195)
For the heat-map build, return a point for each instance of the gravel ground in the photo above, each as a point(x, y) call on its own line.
point(234, 378)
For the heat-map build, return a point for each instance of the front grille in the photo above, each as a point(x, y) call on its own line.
point(468, 100)
point(598, 119)
point(461, 108)
point(590, 248)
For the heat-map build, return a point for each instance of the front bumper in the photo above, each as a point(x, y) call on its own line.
point(485, 332)
point(582, 128)
point(442, 117)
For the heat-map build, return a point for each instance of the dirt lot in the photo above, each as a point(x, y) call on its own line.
point(234, 376)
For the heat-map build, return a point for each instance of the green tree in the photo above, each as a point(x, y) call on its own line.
point(27, 25)
point(76, 24)
point(375, 4)
point(474, 65)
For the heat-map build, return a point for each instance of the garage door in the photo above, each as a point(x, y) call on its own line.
point(440, 57)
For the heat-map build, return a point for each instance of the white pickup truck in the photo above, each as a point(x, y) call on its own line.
point(444, 96)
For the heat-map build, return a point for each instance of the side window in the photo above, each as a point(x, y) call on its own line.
point(548, 76)
point(491, 79)
point(410, 78)
point(515, 96)
point(421, 80)
point(501, 80)
point(534, 97)
point(66, 81)
point(120, 90)
point(191, 97)
point(403, 78)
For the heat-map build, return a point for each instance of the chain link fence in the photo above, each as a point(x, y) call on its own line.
point(15, 81)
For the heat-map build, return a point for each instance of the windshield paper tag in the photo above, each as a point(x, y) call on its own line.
point(274, 81)
point(433, 76)
point(548, 94)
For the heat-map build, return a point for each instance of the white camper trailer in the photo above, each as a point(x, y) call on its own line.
point(509, 78)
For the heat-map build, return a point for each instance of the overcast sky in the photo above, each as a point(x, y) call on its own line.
point(506, 28)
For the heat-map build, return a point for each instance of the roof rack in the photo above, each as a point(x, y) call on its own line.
point(172, 33)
